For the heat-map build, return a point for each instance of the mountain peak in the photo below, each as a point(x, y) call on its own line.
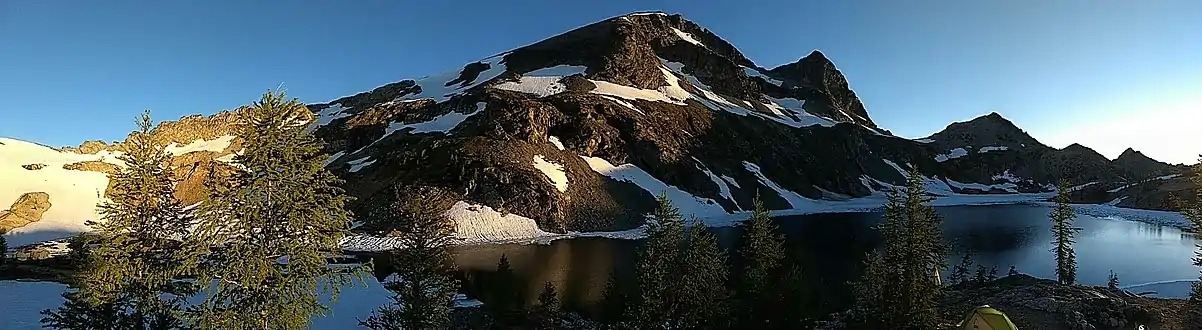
point(987, 130)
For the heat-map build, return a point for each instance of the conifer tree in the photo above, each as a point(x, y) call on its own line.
point(703, 295)
point(1013, 271)
point(423, 287)
point(1194, 214)
point(507, 306)
point(797, 300)
point(546, 311)
point(614, 301)
point(657, 273)
point(992, 274)
point(131, 279)
point(1063, 232)
point(1112, 281)
point(913, 251)
point(982, 275)
point(960, 272)
point(273, 223)
point(762, 250)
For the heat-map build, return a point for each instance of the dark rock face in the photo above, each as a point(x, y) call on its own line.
point(819, 80)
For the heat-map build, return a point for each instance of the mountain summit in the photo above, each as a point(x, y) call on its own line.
point(580, 131)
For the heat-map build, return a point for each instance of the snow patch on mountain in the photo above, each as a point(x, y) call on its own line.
point(623, 103)
point(924, 140)
point(480, 224)
point(732, 181)
point(555, 141)
point(553, 171)
point(797, 201)
point(1081, 186)
point(1008, 187)
point(435, 87)
point(689, 204)
point(73, 194)
point(542, 82)
point(333, 158)
point(214, 145)
point(993, 148)
point(953, 154)
point(334, 112)
point(688, 37)
point(723, 189)
point(672, 93)
point(752, 72)
point(360, 163)
point(1135, 184)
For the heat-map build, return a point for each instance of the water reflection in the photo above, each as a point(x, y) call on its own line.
point(830, 248)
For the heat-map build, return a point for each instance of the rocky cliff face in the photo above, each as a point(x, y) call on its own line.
point(578, 132)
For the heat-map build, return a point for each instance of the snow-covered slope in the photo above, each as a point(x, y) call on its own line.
point(74, 194)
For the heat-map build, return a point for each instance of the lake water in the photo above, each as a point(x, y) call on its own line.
point(830, 248)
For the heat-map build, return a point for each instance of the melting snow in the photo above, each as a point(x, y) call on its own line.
point(542, 82)
point(1129, 185)
point(797, 201)
point(553, 171)
point(1116, 201)
point(732, 181)
point(333, 112)
point(622, 103)
point(555, 141)
point(1079, 187)
point(332, 158)
point(723, 189)
point(73, 194)
point(479, 224)
point(360, 163)
point(752, 72)
point(924, 140)
point(671, 94)
point(688, 203)
point(687, 37)
point(435, 88)
point(995, 148)
point(215, 145)
point(954, 153)
point(1009, 187)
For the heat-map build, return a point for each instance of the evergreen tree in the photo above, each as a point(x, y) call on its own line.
point(3, 250)
point(1112, 282)
point(703, 293)
point(1194, 214)
point(131, 279)
point(981, 276)
point(507, 306)
point(871, 308)
point(960, 272)
point(796, 301)
point(1062, 233)
point(913, 251)
point(1013, 271)
point(273, 223)
point(546, 311)
point(423, 288)
point(657, 273)
point(614, 301)
point(762, 250)
point(992, 274)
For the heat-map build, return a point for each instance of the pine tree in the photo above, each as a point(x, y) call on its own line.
point(1013, 271)
point(960, 272)
point(273, 223)
point(762, 250)
point(703, 295)
point(913, 251)
point(423, 288)
point(545, 313)
point(992, 274)
point(657, 276)
point(1062, 233)
point(507, 306)
point(871, 308)
point(982, 275)
point(131, 280)
point(1112, 282)
point(797, 300)
point(3, 250)
point(614, 301)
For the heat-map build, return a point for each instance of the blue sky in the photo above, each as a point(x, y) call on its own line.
point(1106, 73)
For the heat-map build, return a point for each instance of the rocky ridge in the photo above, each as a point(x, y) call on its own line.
point(578, 132)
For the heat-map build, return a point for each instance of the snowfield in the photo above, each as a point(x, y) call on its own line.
point(73, 194)
point(553, 171)
point(688, 203)
point(216, 145)
point(953, 154)
point(542, 82)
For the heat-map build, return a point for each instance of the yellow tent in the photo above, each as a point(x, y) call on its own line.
point(986, 318)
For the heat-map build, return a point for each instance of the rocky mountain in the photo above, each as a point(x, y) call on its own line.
point(580, 131)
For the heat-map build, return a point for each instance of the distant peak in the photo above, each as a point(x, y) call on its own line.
point(816, 54)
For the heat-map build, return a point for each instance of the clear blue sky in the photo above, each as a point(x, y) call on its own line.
point(1106, 73)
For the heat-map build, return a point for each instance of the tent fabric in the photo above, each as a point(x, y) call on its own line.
point(986, 318)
